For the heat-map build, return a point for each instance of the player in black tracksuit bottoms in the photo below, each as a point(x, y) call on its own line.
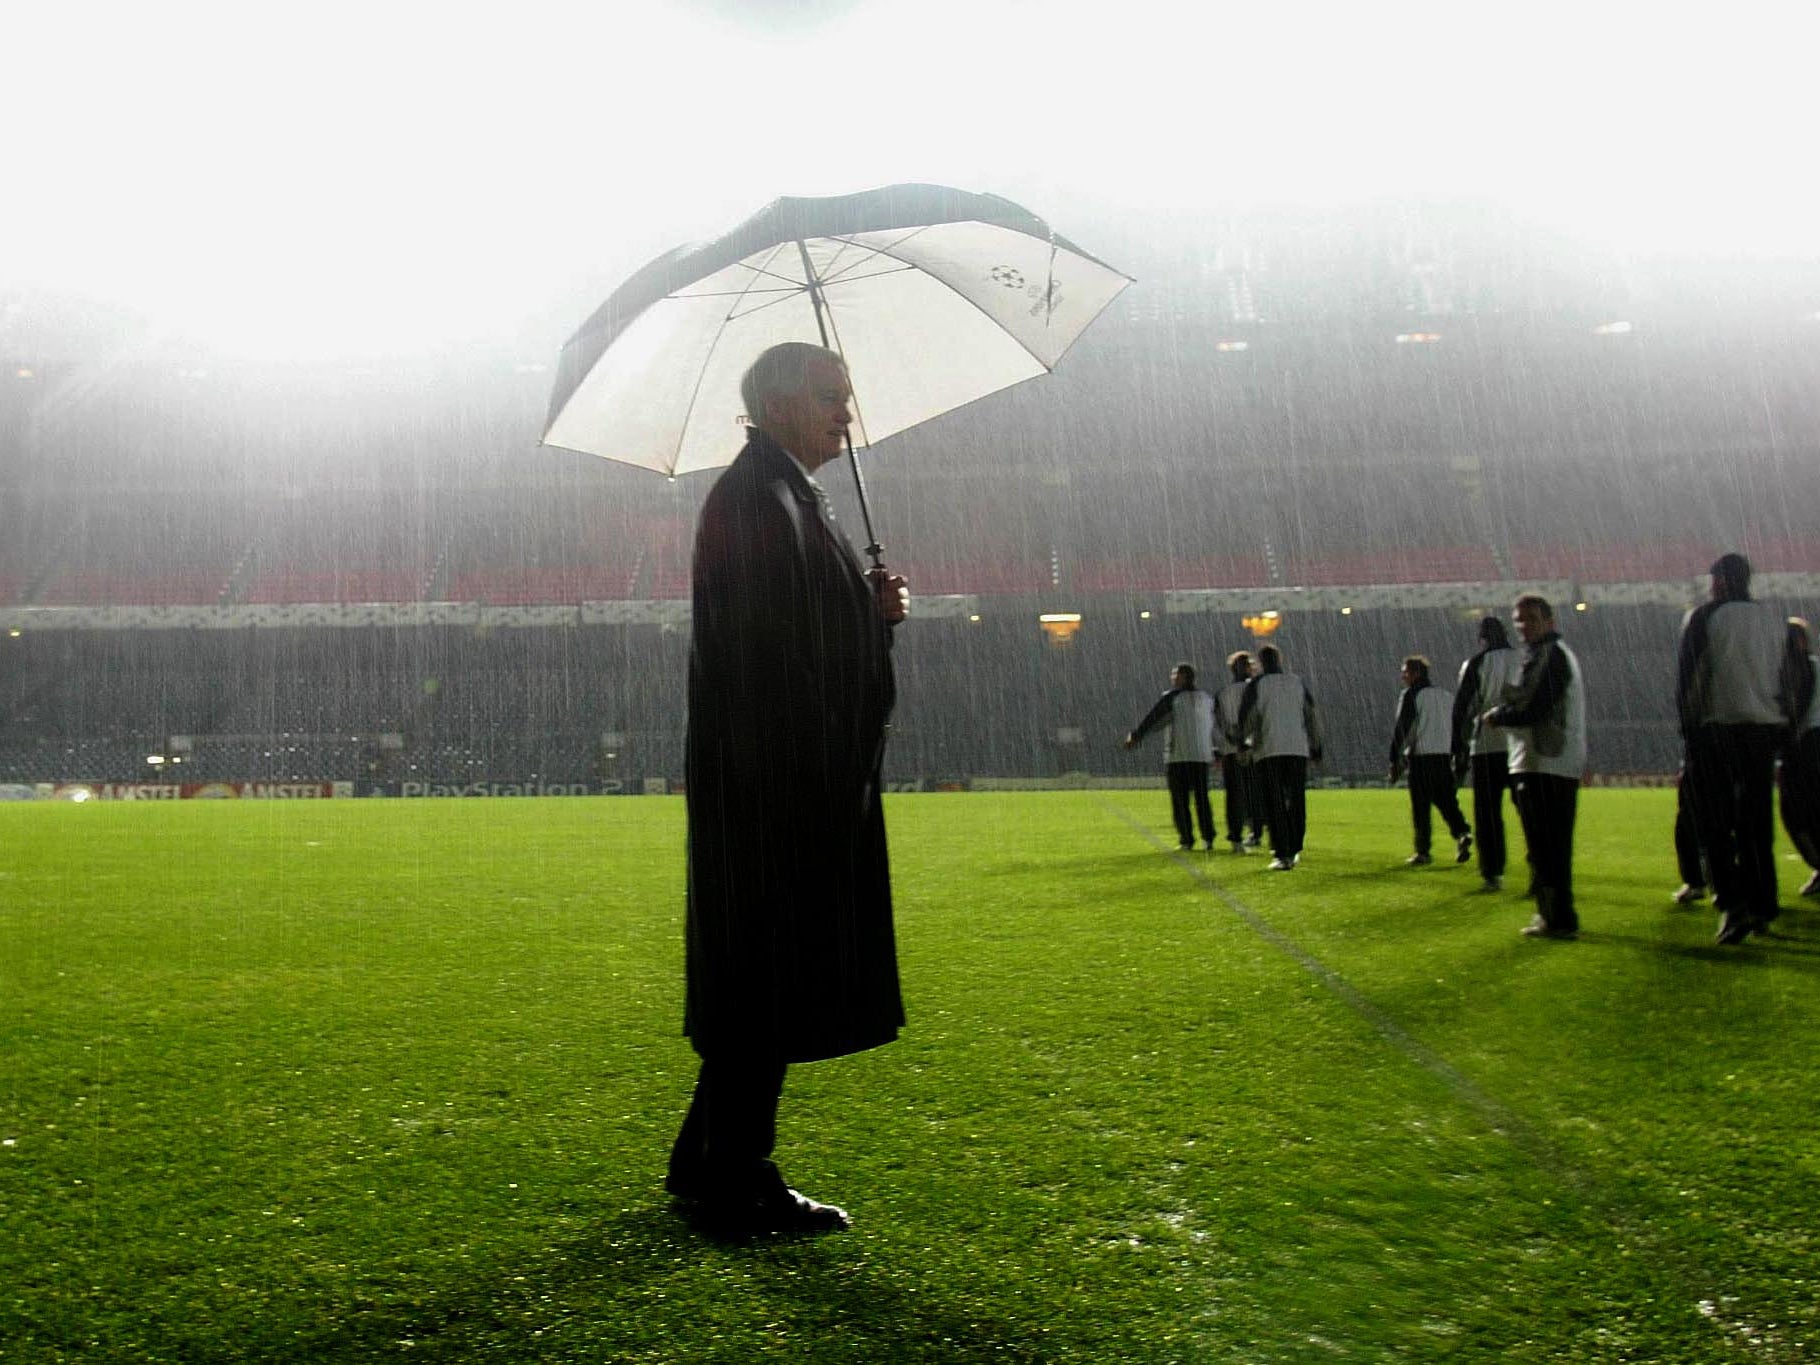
point(1483, 681)
point(1424, 733)
point(1735, 688)
point(1187, 713)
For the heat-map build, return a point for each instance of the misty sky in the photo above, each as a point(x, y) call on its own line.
point(380, 178)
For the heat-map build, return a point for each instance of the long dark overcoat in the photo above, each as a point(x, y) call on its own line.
point(791, 948)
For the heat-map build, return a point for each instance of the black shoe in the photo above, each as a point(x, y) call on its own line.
point(1417, 860)
point(1540, 928)
point(781, 1212)
point(1186, 846)
point(1734, 929)
point(1463, 848)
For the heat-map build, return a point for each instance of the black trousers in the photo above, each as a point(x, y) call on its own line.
point(728, 1135)
point(1733, 770)
point(1243, 806)
point(1284, 784)
point(1547, 806)
point(1189, 780)
point(1431, 789)
point(1801, 797)
point(1490, 780)
point(1687, 838)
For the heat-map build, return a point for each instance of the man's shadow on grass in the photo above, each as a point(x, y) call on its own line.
point(606, 1286)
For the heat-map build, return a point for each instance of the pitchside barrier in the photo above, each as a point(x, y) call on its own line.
point(650, 786)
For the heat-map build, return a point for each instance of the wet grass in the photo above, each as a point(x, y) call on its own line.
point(383, 1081)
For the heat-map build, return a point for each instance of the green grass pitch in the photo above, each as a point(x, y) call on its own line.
point(323, 1081)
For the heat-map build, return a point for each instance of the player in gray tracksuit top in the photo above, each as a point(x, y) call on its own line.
point(1544, 715)
point(1424, 736)
point(1187, 713)
point(1483, 680)
point(1735, 688)
point(1281, 728)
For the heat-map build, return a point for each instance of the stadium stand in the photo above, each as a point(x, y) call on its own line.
point(1255, 428)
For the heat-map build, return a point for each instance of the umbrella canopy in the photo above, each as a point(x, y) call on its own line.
point(935, 296)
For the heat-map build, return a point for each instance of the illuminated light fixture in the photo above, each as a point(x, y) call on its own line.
point(1346, 611)
point(974, 617)
point(1417, 338)
point(1612, 329)
point(1262, 624)
point(154, 760)
point(1232, 346)
point(25, 372)
point(1060, 626)
point(1143, 616)
point(1579, 606)
point(15, 632)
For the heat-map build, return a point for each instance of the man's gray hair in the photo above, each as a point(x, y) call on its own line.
point(781, 371)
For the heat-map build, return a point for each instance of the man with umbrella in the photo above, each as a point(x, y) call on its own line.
point(944, 295)
point(791, 955)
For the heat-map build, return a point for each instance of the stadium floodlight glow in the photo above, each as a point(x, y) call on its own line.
point(154, 760)
point(1143, 616)
point(1232, 345)
point(1417, 338)
point(1262, 623)
point(1060, 626)
point(1612, 329)
point(15, 632)
point(24, 372)
point(1579, 606)
point(1346, 611)
point(974, 616)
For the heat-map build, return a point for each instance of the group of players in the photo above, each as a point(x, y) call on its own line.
point(1747, 701)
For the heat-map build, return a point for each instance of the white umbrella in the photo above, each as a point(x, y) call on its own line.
point(935, 296)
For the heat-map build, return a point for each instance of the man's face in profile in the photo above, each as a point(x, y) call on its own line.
point(1531, 623)
point(812, 423)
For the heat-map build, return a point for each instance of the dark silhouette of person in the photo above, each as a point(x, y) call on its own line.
point(1801, 760)
point(1243, 806)
point(791, 951)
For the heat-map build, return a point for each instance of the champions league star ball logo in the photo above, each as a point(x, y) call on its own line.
point(1044, 297)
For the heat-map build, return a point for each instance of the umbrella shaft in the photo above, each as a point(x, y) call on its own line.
point(873, 548)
